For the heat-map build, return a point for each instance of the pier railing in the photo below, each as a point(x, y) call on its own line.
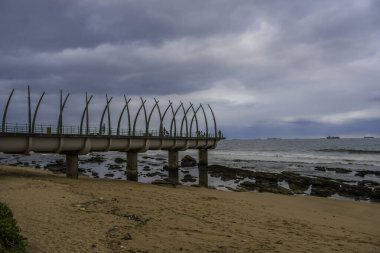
point(41, 129)
point(180, 120)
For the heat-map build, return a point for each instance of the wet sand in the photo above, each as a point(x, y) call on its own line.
point(98, 215)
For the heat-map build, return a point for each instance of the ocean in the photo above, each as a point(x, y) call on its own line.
point(276, 155)
point(301, 156)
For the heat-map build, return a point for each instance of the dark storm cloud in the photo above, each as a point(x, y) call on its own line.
point(53, 25)
point(261, 63)
point(30, 29)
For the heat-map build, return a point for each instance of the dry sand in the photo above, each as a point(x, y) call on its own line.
point(92, 215)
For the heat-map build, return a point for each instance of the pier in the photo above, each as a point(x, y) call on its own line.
point(183, 133)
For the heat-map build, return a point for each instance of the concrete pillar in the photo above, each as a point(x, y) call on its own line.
point(72, 165)
point(132, 166)
point(203, 157)
point(173, 175)
point(203, 176)
point(173, 159)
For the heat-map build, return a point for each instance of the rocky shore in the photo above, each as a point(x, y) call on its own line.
point(153, 169)
point(298, 184)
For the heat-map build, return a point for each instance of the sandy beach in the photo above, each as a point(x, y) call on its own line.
point(98, 215)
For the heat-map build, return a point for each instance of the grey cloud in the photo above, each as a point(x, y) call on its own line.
point(46, 25)
point(257, 61)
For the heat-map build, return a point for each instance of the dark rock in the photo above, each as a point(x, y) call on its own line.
point(356, 192)
point(322, 192)
point(272, 177)
point(337, 170)
point(247, 185)
point(188, 178)
point(188, 161)
point(95, 159)
point(362, 173)
point(154, 164)
point(119, 160)
point(323, 187)
point(156, 173)
point(109, 175)
point(320, 168)
point(340, 170)
point(230, 188)
point(375, 194)
point(227, 173)
point(368, 183)
point(263, 185)
point(114, 166)
point(297, 183)
point(325, 183)
point(238, 189)
point(57, 166)
point(95, 174)
point(298, 188)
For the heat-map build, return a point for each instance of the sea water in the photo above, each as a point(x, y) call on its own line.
point(301, 156)
point(344, 151)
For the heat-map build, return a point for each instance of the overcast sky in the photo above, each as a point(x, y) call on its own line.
point(284, 68)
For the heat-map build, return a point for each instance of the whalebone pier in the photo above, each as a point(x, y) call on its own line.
point(175, 132)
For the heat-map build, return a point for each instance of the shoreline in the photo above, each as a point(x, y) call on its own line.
point(57, 214)
point(324, 180)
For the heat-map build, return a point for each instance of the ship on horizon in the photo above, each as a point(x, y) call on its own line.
point(332, 137)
